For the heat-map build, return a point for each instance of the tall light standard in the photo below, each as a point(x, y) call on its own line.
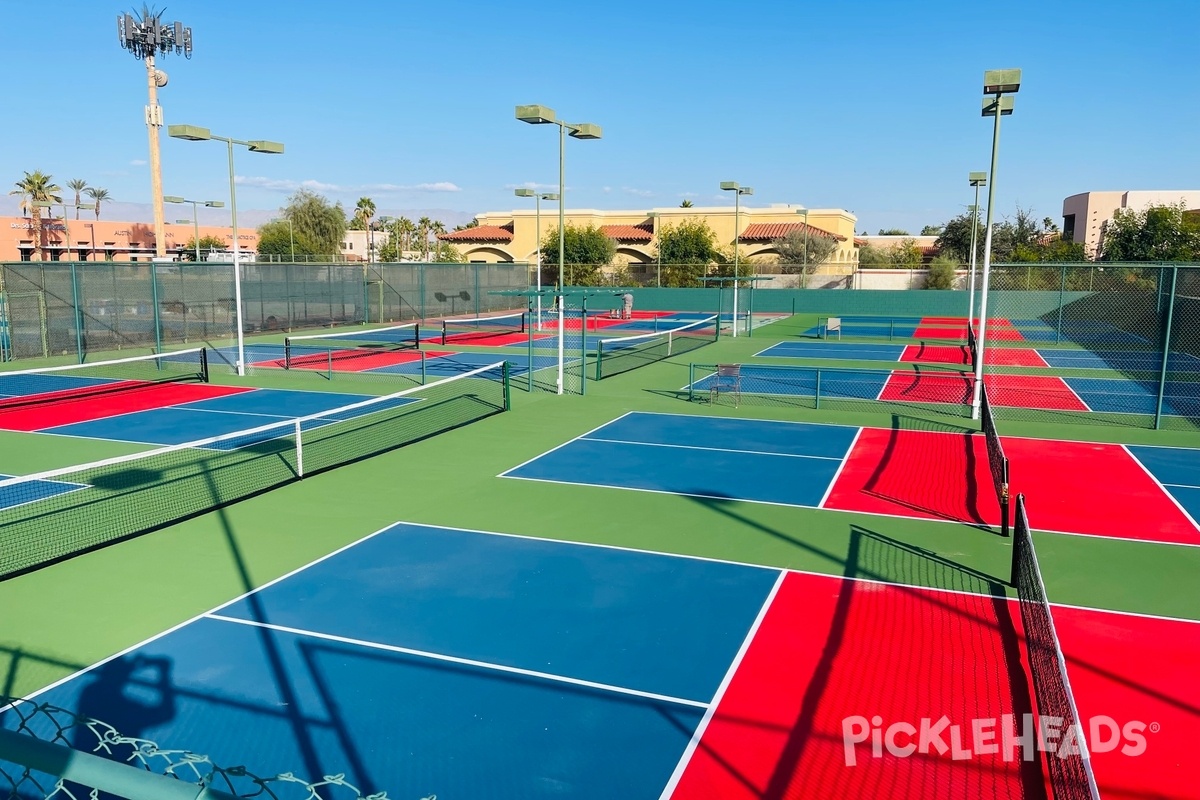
point(655, 219)
point(804, 268)
point(976, 179)
point(66, 221)
point(738, 191)
point(195, 220)
point(538, 197)
point(197, 134)
point(996, 84)
point(541, 115)
point(144, 38)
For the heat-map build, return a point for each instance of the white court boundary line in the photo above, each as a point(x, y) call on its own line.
point(709, 449)
point(837, 474)
point(1161, 487)
point(686, 757)
point(469, 662)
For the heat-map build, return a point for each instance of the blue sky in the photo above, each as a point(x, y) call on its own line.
point(872, 107)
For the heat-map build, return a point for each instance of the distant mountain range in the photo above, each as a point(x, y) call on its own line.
point(247, 217)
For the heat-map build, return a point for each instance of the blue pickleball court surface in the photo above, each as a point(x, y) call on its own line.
point(1177, 469)
point(831, 350)
point(783, 463)
point(32, 491)
point(429, 660)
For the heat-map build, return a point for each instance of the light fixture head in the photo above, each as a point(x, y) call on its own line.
point(536, 115)
point(524, 192)
point(170, 198)
point(978, 178)
point(729, 186)
point(746, 190)
point(193, 133)
point(550, 196)
point(585, 130)
point(263, 146)
point(214, 204)
point(992, 102)
point(1001, 81)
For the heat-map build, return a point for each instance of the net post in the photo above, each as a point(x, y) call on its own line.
point(817, 391)
point(529, 348)
point(583, 346)
point(506, 375)
point(329, 364)
point(671, 342)
point(299, 452)
point(204, 365)
point(691, 382)
point(424, 366)
point(599, 359)
point(443, 333)
point(1018, 545)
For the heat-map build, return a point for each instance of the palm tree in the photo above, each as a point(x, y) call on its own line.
point(406, 228)
point(423, 225)
point(98, 195)
point(435, 228)
point(364, 210)
point(77, 185)
point(36, 187)
point(686, 204)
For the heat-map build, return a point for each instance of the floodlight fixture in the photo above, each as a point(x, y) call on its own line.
point(992, 102)
point(193, 133)
point(977, 179)
point(536, 115)
point(524, 192)
point(1001, 81)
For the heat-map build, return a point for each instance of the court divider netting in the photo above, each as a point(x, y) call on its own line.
point(997, 461)
point(59, 513)
point(321, 349)
point(621, 354)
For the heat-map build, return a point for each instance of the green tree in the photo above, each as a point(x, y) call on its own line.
point(446, 253)
point(687, 249)
point(275, 238)
point(98, 195)
point(932, 230)
point(586, 250)
point(800, 254)
point(686, 204)
point(955, 238)
point(941, 273)
point(77, 185)
point(37, 187)
point(321, 224)
point(1158, 233)
point(906, 255)
point(873, 257)
point(893, 232)
point(208, 244)
point(423, 226)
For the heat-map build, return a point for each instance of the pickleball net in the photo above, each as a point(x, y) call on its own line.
point(621, 354)
point(79, 382)
point(997, 461)
point(55, 514)
point(1071, 775)
point(321, 349)
point(972, 344)
point(467, 330)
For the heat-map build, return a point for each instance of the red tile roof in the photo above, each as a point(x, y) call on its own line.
point(627, 233)
point(859, 242)
point(770, 231)
point(480, 233)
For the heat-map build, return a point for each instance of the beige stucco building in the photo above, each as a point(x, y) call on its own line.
point(1085, 215)
point(503, 236)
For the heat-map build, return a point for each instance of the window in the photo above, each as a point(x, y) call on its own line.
point(1068, 232)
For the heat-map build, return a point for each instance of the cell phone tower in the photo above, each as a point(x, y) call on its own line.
point(146, 35)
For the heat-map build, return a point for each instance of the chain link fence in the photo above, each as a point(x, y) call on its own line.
point(77, 308)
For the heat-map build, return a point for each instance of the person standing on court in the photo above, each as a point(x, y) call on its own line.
point(627, 306)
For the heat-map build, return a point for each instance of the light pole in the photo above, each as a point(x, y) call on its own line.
point(66, 222)
point(195, 220)
point(656, 218)
point(538, 197)
point(541, 115)
point(144, 38)
point(92, 241)
point(197, 134)
point(738, 191)
point(996, 84)
point(976, 179)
